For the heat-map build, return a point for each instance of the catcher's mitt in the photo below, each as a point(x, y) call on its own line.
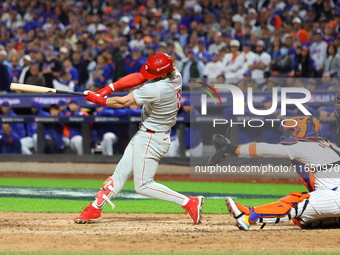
point(222, 145)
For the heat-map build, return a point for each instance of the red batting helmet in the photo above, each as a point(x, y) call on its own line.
point(157, 65)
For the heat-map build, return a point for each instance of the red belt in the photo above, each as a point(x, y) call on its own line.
point(153, 132)
point(150, 131)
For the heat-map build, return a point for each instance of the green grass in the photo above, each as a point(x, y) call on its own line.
point(124, 206)
point(213, 187)
point(137, 206)
point(140, 206)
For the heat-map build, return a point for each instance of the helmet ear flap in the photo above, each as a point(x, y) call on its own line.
point(315, 124)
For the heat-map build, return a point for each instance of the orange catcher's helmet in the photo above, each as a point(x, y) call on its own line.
point(157, 65)
point(300, 126)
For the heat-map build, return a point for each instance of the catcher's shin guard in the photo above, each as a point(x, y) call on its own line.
point(240, 212)
point(105, 193)
point(280, 209)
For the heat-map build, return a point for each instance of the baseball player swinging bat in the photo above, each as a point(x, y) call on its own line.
point(39, 89)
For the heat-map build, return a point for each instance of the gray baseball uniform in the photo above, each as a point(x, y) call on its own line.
point(161, 101)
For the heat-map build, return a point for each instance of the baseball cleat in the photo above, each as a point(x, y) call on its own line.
point(194, 208)
point(243, 222)
point(89, 215)
point(240, 213)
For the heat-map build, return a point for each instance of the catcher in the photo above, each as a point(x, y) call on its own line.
point(317, 162)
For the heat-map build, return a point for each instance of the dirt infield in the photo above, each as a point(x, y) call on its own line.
point(56, 232)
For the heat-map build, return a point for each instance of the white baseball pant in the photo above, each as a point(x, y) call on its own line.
point(322, 204)
point(196, 151)
point(141, 158)
point(28, 143)
point(77, 144)
point(174, 147)
point(109, 139)
point(66, 142)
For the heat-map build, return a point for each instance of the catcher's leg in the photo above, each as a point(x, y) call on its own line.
point(323, 210)
point(276, 212)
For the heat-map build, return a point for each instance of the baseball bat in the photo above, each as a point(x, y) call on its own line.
point(39, 89)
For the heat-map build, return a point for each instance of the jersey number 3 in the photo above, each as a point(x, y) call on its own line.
point(179, 96)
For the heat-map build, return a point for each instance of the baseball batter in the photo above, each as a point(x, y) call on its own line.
point(317, 162)
point(160, 96)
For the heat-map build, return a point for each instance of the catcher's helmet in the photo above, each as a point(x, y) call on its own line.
point(300, 126)
point(157, 65)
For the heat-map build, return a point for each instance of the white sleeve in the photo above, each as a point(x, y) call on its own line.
point(265, 59)
point(224, 62)
point(323, 54)
point(206, 69)
point(251, 58)
point(59, 86)
point(262, 150)
point(22, 75)
point(71, 86)
point(238, 63)
point(146, 94)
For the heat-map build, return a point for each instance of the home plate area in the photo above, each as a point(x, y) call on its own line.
point(122, 232)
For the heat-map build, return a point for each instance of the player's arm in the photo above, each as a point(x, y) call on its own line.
point(113, 102)
point(261, 150)
point(128, 81)
point(239, 61)
point(121, 102)
point(260, 66)
point(225, 149)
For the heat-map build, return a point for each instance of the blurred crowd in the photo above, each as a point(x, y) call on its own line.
point(109, 138)
point(65, 137)
point(78, 45)
point(105, 138)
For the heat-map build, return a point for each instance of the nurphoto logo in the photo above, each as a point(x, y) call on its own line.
point(238, 100)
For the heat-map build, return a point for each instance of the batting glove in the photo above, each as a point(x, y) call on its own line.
point(95, 98)
point(107, 90)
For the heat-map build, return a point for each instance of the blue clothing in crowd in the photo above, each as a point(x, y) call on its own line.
point(193, 134)
point(74, 74)
point(17, 128)
point(134, 65)
point(32, 127)
point(10, 144)
point(99, 129)
point(328, 129)
point(106, 72)
point(205, 55)
point(74, 128)
point(55, 132)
